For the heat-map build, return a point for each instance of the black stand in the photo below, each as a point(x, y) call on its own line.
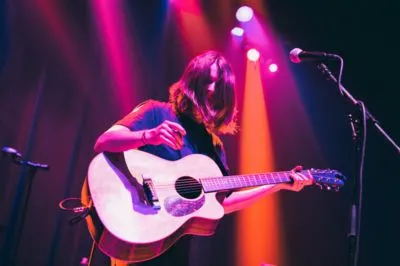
point(324, 69)
point(359, 153)
point(17, 217)
point(356, 193)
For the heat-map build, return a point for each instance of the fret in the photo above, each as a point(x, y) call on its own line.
point(240, 181)
point(250, 181)
point(277, 177)
point(233, 183)
point(244, 181)
point(259, 180)
point(256, 180)
point(236, 181)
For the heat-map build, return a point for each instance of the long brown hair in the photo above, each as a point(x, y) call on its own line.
point(189, 95)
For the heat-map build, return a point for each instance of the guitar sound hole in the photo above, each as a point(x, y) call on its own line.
point(188, 187)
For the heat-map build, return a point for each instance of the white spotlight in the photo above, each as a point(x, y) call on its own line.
point(273, 68)
point(244, 14)
point(253, 54)
point(237, 31)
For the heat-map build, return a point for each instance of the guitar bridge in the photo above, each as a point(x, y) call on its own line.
point(150, 193)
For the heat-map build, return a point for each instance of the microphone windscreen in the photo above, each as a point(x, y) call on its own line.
point(294, 55)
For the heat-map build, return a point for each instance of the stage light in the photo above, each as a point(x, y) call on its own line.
point(253, 54)
point(244, 14)
point(273, 68)
point(237, 31)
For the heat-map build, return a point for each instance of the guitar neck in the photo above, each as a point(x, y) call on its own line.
point(236, 182)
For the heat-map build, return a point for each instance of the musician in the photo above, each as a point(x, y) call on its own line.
point(202, 106)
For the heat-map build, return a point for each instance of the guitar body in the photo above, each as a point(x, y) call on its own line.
point(126, 225)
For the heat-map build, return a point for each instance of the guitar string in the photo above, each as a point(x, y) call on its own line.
point(197, 189)
point(190, 189)
point(194, 183)
point(190, 186)
point(194, 187)
point(191, 183)
point(230, 185)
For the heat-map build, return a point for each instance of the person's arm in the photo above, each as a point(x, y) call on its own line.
point(120, 138)
point(240, 199)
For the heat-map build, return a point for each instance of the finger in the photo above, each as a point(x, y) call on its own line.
point(297, 168)
point(173, 137)
point(169, 142)
point(303, 179)
point(175, 133)
point(297, 176)
point(299, 182)
point(169, 134)
point(176, 127)
point(300, 185)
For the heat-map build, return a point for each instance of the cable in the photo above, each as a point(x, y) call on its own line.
point(339, 80)
point(82, 210)
point(360, 181)
point(74, 209)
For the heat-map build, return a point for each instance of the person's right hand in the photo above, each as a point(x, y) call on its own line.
point(168, 133)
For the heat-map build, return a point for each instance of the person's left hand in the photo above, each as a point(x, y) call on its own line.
point(300, 180)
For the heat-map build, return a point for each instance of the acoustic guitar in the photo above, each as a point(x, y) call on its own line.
point(140, 204)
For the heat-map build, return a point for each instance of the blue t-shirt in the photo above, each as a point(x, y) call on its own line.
point(152, 113)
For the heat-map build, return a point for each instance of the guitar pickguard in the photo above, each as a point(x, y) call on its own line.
point(178, 206)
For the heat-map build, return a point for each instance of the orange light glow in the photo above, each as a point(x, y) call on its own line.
point(257, 225)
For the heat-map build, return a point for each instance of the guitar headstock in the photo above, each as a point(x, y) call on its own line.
point(328, 179)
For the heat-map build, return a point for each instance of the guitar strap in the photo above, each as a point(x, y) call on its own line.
point(217, 158)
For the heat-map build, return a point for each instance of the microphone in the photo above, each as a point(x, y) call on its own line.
point(297, 55)
point(11, 151)
point(17, 158)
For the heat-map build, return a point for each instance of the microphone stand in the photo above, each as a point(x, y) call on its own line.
point(359, 154)
point(19, 208)
point(324, 69)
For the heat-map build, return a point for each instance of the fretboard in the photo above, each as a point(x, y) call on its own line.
point(215, 184)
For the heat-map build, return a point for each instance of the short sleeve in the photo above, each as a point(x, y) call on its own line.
point(141, 117)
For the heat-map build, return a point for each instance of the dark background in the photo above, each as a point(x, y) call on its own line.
point(52, 111)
